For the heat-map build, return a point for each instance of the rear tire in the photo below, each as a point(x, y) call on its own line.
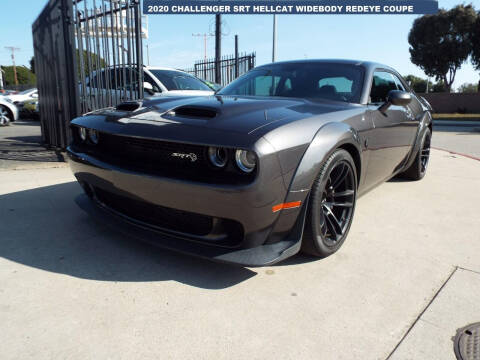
point(331, 205)
point(419, 167)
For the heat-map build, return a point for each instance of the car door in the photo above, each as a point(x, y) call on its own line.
point(394, 130)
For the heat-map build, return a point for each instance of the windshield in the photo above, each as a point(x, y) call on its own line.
point(177, 80)
point(26, 92)
point(332, 81)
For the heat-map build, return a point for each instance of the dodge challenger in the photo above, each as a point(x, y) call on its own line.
point(270, 165)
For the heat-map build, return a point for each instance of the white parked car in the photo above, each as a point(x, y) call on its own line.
point(8, 111)
point(23, 96)
point(157, 81)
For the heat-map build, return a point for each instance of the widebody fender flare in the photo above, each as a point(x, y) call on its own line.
point(329, 137)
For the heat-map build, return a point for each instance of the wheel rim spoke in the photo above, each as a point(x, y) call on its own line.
point(340, 204)
point(335, 224)
point(343, 193)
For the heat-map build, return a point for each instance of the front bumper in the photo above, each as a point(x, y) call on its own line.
point(267, 237)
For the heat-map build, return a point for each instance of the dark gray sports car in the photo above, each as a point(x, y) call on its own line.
point(270, 165)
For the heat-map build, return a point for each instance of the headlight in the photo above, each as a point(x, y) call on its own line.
point(93, 136)
point(83, 133)
point(217, 156)
point(246, 160)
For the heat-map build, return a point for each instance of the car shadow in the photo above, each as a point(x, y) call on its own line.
point(26, 122)
point(43, 228)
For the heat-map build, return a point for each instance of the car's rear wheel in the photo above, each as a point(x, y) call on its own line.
point(419, 167)
point(331, 205)
point(5, 116)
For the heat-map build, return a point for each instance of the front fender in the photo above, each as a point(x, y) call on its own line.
point(329, 137)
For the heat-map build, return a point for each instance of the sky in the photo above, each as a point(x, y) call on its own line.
point(380, 38)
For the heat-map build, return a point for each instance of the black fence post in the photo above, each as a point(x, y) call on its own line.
point(139, 48)
point(218, 48)
point(236, 56)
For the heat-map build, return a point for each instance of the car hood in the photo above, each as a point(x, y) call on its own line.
point(222, 120)
point(244, 115)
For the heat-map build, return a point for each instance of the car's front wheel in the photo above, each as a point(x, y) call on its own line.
point(5, 116)
point(331, 205)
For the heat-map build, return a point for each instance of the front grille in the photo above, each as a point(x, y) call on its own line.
point(156, 215)
point(164, 158)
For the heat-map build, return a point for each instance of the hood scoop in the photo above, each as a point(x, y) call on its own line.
point(129, 106)
point(200, 112)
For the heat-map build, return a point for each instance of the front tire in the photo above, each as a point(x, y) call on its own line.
point(5, 116)
point(419, 167)
point(331, 205)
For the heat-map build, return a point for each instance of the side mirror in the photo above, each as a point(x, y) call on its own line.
point(148, 88)
point(397, 98)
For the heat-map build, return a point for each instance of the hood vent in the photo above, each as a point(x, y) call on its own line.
point(129, 106)
point(195, 112)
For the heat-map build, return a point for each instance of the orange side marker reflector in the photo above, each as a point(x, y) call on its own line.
point(289, 205)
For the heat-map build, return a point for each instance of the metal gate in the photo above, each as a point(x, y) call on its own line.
point(89, 56)
point(231, 67)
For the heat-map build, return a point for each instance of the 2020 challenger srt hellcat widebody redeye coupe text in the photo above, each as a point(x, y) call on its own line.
point(270, 165)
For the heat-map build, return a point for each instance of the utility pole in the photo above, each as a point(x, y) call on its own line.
point(274, 48)
point(205, 38)
point(218, 48)
point(13, 49)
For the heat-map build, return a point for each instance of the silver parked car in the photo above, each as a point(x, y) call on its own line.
point(115, 85)
point(8, 111)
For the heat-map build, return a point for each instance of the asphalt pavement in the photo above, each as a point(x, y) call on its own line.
point(406, 279)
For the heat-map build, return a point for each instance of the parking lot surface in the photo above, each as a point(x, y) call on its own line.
point(72, 288)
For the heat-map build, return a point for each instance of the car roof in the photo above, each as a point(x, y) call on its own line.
point(366, 64)
point(162, 68)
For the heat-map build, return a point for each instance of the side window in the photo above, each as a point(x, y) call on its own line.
point(382, 83)
point(98, 81)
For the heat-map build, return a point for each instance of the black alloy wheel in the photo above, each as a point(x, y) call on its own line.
point(331, 205)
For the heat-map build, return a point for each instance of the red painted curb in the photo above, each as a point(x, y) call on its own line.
point(457, 153)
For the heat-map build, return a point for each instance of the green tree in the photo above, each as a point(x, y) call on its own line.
point(24, 76)
point(440, 43)
point(468, 88)
point(439, 86)
point(475, 38)
point(418, 84)
point(96, 62)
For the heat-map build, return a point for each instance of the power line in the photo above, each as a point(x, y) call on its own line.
point(204, 35)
